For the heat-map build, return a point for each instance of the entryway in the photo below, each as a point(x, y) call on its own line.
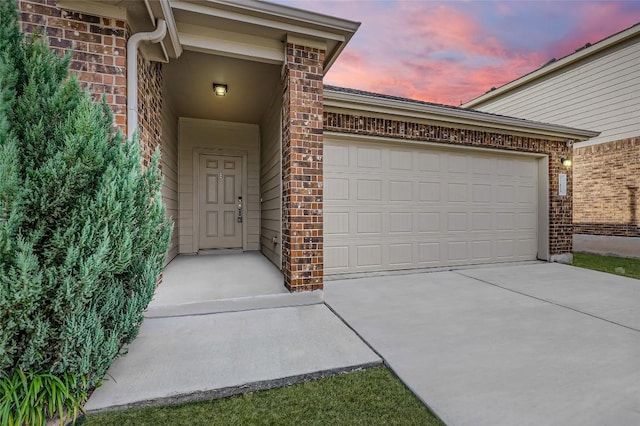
point(229, 282)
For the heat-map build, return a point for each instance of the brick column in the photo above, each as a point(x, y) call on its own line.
point(560, 207)
point(302, 189)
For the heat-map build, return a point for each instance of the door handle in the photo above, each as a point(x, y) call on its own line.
point(240, 209)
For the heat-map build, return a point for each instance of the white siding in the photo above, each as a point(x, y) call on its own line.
point(599, 93)
point(218, 137)
point(169, 163)
point(271, 183)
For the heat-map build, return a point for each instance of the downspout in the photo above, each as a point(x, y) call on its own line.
point(132, 71)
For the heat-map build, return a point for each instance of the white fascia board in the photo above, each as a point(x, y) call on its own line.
point(470, 118)
point(235, 49)
point(171, 27)
point(555, 66)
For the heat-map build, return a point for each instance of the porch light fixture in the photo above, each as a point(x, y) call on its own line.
point(220, 89)
point(565, 162)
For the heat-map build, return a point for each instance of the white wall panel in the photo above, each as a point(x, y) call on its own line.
point(169, 161)
point(599, 93)
point(271, 182)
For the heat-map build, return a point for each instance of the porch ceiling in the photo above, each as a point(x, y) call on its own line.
point(189, 79)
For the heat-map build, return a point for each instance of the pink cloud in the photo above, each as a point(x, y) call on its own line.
point(451, 52)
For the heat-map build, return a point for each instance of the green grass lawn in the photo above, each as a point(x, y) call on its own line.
point(370, 397)
point(614, 265)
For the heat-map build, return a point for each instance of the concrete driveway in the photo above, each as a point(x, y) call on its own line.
point(536, 344)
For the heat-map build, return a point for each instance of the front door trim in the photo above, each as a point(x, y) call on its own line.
point(197, 152)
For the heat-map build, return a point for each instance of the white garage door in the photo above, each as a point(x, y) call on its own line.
point(390, 207)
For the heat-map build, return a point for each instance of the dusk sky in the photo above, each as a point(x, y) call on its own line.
point(453, 51)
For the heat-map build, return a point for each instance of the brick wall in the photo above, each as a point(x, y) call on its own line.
point(149, 107)
point(560, 208)
point(607, 188)
point(99, 58)
point(99, 48)
point(302, 129)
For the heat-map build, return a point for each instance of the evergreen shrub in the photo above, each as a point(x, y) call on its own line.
point(83, 233)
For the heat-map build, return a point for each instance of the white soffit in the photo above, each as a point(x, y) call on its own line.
point(255, 30)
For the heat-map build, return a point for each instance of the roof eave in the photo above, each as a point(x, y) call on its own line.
point(341, 100)
point(343, 29)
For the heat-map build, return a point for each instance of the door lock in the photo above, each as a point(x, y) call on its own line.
point(240, 209)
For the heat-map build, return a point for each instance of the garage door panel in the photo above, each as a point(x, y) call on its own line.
point(481, 193)
point(369, 158)
point(401, 254)
point(336, 189)
point(400, 160)
point(506, 167)
point(457, 251)
point(336, 223)
point(429, 253)
point(457, 192)
point(336, 258)
point(457, 222)
point(368, 189)
point(429, 161)
point(505, 194)
point(481, 221)
point(369, 223)
point(401, 222)
point(526, 169)
point(527, 222)
point(429, 222)
point(482, 166)
point(429, 191)
point(526, 194)
point(390, 207)
point(527, 248)
point(481, 250)
point(336, 155)
point(457, 163)
point(369, 255)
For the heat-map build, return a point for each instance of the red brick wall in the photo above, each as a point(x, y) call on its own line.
point(99, 58)
point(99, 48)
point(560, 208)
point(149, 106)
point(302, 129)
point(607, 188)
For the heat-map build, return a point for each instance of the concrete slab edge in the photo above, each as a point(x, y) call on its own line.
point(239, 304)
point(207, 395)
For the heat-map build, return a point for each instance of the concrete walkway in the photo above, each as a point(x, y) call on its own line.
point(541, 344)
point(187, 358)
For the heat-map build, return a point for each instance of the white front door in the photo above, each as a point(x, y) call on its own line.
point(220, 188)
